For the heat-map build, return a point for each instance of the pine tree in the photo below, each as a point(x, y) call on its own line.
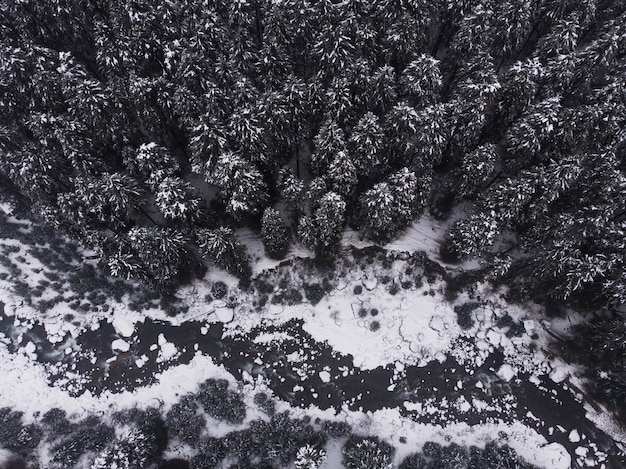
point(365, 145)
point(329, 141)
point(241, 183)
point(342, 174)
point(274, 234)
point(174, 200)
point(477, 169)
point(222, 247)
point(392, 204)
point(421, 81)
point(370, 452)
point(472, 236)
point(309, 457)
point(321, 232)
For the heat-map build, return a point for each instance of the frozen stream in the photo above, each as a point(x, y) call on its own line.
point(304, 371)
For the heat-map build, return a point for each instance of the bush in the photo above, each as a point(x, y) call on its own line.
point(314, 293)
point(369, 452)
point(183, 421)
point(219, 290)
point(16, 437)
point(414, 461)
point(88, 435)
point(358, 289)
point(221, 403)
point(212, 451)
point(464, 315)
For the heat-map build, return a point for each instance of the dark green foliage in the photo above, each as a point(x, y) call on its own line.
point(219, 290)
point(212, 451)
point(17, 437)
point(275, 234)
point(414, 461)
point(184, 421)
point(314, 293)
point(601, 345)
point(87, 435)
point(220, 402)
point(336, 429)
point(358, 289)
point(368, 452)
point(464, 315)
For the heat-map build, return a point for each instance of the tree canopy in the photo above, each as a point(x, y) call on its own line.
point(135, 125)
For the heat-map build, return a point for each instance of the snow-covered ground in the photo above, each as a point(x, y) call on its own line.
point(376, 326)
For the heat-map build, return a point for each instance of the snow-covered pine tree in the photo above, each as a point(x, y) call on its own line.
point(242, 185)
point(369, 452)
point(342, 174)
point(329, 141)
point(365, 145)
point(472, 236)
point(175, 201)
point(321, 232)
point(309, 457)
point(477, 169)
point(421, 81)
point(222, 247)
point(392, 204)
point(274, 234)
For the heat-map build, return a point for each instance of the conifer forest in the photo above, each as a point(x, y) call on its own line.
point(442, 182)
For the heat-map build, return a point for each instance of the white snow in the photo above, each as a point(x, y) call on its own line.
point(120, 345)
point(123, 326)
point(507, 372)
point(324, 376)
point(574, 436)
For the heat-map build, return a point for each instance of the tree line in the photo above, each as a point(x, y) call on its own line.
point(142, 127)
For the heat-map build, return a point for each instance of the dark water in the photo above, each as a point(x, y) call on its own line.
point(541, 407)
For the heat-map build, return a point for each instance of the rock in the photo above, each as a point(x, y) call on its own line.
point(494, 337)
point(120, 345)
point(558, 375)
point(224, 315)
point(506, 372)
point(324, 376)
point(123, 327)
point(574, 436)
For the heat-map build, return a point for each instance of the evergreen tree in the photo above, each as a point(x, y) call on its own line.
point(421, 80)
point(174, 200)
point(275, 234)
point(241, 183)
point(391, 205)
point(366, 145)
point(309, 457)
point(321, 232)
point(472, 236)
point(342, 174)
point(222, 247)
point(329, 141)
